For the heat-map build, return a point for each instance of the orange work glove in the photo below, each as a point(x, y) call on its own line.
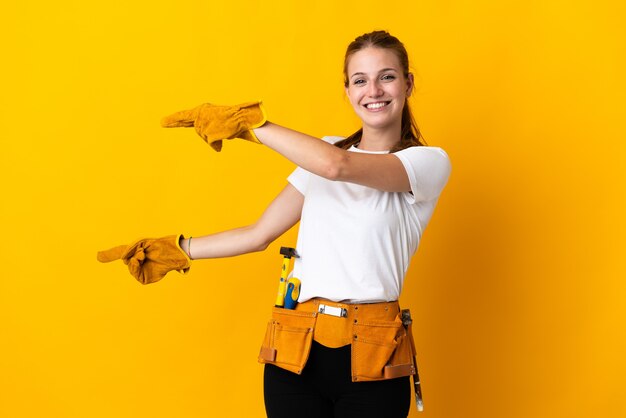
point(215, 123)
point(150, 259)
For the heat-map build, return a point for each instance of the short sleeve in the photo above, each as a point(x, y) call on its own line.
point(299, 178)
point(428, 169)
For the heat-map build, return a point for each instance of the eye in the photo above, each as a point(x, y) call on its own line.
point(388, 77)
point(358, 81)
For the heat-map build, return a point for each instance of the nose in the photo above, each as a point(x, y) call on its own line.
point(374, 89)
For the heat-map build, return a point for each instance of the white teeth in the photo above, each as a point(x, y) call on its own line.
point(376, 105)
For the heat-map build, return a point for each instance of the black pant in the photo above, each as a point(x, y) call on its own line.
point(325, 390)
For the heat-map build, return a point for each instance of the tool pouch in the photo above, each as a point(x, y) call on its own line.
point(288, 339)
point(381, 350)
point(382, 345)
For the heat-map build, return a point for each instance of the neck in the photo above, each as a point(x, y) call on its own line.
point(380, 139)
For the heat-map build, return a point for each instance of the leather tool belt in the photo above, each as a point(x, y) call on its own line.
point(382, 346)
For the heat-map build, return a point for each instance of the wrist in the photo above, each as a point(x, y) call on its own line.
point(185, 245)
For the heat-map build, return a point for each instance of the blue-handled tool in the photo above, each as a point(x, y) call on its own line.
point(293, 293)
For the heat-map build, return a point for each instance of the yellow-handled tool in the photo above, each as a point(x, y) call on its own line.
point(288, 253)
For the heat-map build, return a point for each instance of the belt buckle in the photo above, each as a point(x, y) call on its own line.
point(332, 311)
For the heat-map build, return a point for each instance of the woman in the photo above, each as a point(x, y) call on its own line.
point(362, 202)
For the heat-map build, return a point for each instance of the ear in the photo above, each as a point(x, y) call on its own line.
point(410, 82)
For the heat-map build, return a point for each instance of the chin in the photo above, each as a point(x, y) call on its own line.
point(371, 121)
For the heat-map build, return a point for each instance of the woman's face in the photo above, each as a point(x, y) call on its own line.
point(377, 88)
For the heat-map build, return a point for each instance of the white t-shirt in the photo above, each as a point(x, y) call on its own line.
point(355, 242)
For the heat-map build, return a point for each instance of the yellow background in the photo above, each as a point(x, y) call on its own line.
point(518, 288)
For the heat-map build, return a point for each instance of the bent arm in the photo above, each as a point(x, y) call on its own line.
point(283, 213)
point(380, 171)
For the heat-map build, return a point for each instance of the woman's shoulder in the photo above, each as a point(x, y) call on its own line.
point(430, 160)
point(425, 150)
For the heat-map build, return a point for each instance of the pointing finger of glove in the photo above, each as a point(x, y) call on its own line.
point(182, 119)
point(112, 254)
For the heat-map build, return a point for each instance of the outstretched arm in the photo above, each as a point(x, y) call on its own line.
point(283, 213)
point(248, 121)
point(150, 259)
point(380, 171)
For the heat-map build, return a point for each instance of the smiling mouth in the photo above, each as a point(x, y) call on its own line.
point(376, 105)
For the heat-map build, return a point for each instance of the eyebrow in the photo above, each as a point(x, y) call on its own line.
point(381, 71)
